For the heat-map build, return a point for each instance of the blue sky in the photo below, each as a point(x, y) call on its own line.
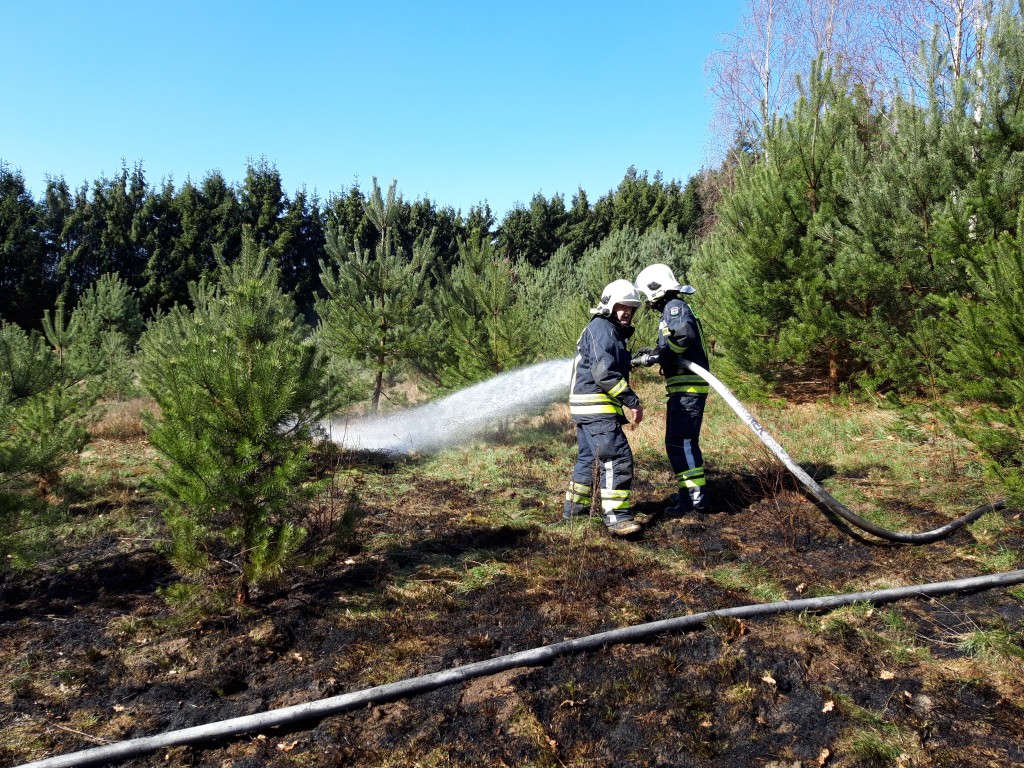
point(460, 101)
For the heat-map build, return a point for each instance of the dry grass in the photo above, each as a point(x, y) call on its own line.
point(122, 419)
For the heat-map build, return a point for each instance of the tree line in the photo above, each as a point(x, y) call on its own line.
point(159, 238)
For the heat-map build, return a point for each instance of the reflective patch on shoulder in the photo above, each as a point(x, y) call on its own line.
point(673, 311)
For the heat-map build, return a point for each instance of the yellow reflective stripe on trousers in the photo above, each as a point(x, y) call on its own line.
point(578, 493)
point(691, 478)
point(614, 501)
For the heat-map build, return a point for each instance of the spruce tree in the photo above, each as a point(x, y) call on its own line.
point(240, 388)
point(158, 230)
point(101, 233)
point(184, 239)
point(24, 266)
point(264, 204)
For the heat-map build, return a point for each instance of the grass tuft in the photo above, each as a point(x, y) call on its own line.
point(753, 579)
point(993, 644)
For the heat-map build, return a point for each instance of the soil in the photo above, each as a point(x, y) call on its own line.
point(90, 653)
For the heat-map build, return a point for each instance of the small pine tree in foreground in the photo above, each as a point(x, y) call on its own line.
point(240, 387)
point(43, 408)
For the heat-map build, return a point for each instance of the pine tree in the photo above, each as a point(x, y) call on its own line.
point(482, 326)
point(558, 295)
point(103, 332)
point(997, 137)
point(241, 389)
point(42, 427)
point(984, 368)
point(986, 363)
point(768, 261)
point(902, 240)
point(373, 311)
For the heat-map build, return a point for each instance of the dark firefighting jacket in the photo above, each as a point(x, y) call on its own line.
point(680, 335)
point(599, 387)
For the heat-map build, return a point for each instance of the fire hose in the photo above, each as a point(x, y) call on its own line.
point(334, 705)
point(819, 493)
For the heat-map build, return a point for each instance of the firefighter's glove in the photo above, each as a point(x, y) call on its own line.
point(644, 357)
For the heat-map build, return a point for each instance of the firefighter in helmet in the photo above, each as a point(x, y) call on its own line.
point(600, 400)
point(680, 337)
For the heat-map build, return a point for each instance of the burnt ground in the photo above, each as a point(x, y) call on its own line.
point(439, 576)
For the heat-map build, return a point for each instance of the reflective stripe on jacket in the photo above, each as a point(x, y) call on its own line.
point(599, 387)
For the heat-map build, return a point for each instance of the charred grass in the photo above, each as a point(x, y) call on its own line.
point(462, 557)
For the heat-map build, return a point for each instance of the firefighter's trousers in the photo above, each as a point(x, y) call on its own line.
point(684, 416)
point(604, 442)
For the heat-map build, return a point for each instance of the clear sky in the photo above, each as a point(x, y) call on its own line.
point(461, 101)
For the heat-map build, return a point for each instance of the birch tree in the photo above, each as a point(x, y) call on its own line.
point(887, 48)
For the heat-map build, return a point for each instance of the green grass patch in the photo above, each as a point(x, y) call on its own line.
point(753, 579)
point(479, 576)
point(870, 738)
point(992, 644)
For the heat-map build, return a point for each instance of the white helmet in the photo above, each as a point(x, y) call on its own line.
point(616, 292)
point(656, 280)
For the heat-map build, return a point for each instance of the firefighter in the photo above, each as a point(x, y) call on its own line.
point(680, 337)
point(600, 400)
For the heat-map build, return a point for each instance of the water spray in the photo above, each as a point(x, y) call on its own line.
point(460, 416)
